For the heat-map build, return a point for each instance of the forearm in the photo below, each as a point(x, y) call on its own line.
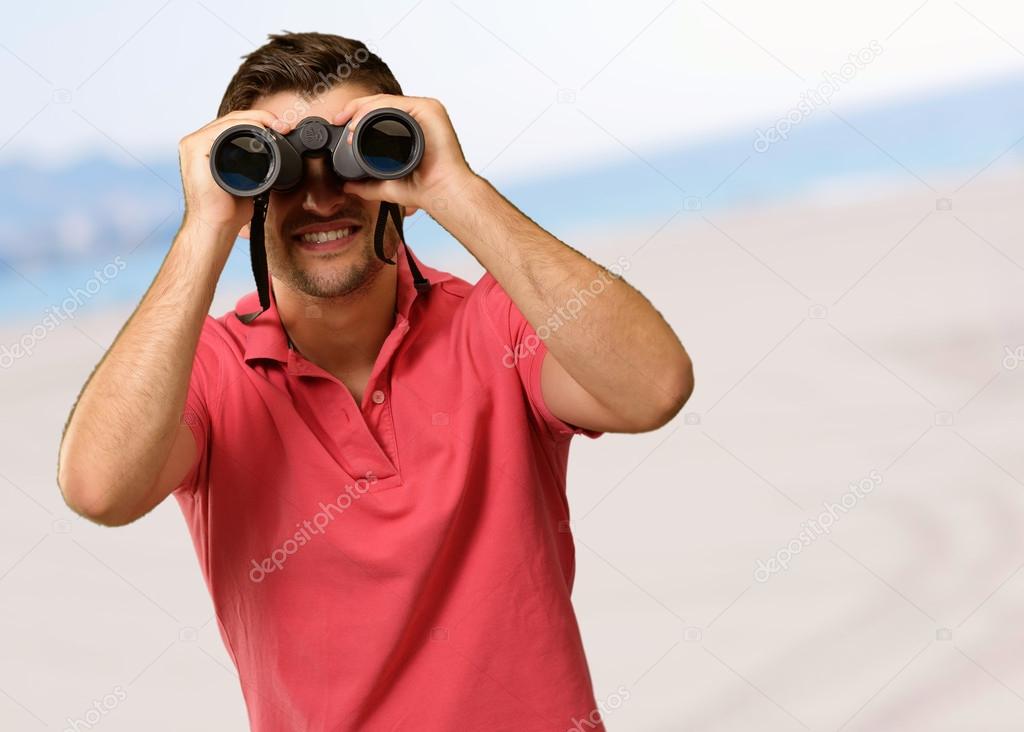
point(122, 428)
point(602, 331)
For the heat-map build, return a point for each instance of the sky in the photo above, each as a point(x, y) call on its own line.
point(568, 83)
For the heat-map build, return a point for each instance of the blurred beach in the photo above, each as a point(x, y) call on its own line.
point(834, 335)
point(828, 537)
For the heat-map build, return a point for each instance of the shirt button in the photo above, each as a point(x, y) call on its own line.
point(377, 397)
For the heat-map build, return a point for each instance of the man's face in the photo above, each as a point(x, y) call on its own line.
point(319, 240)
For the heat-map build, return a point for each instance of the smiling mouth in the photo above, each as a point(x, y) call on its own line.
point(328, 239)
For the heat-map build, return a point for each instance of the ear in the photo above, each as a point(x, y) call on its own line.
point(244, 233)
point(408, 211)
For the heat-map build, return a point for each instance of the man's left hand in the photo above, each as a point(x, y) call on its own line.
point(443, 169)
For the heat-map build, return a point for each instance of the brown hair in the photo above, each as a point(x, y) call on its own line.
point(308, 63)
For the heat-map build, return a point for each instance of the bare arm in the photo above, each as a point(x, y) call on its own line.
point(125, 447)
point(616, 366)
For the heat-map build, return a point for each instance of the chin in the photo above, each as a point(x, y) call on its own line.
point(332, 281)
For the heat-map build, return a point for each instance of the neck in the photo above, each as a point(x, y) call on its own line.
point(341, 335)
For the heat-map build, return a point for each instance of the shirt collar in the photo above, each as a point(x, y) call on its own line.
point(265, 337)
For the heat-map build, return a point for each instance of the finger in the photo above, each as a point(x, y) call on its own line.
point(352, 105)
point(263, 115)
point(258, 117)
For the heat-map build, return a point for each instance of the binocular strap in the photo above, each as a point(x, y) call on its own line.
point(258, 250)
point(391, 210)
point(258, 255)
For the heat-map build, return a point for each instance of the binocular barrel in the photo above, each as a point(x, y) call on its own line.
point(247, 160)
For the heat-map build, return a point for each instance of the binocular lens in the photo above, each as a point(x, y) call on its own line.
point(387, 145)
point(243, 161)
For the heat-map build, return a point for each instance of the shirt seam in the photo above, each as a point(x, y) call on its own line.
point(213, 406)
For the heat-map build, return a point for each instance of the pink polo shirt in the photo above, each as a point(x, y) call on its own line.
point(400, 564)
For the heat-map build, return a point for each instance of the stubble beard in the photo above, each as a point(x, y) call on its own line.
point(324, 275)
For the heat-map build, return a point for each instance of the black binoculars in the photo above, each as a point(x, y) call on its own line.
point(248, 160)
point(251, 161)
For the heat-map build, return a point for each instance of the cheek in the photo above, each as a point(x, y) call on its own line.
point(277, 216)
point(284, 206)
point(369, 209)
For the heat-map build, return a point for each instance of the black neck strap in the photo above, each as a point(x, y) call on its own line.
point(258, 255)
point(258, 250)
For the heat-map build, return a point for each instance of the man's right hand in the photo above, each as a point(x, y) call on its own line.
point(115, 465)
point(206, 203)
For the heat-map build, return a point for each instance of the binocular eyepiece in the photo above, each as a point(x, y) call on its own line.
point(248, 160)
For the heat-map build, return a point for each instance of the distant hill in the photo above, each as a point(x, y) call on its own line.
point(89, 209)
point(57, 223)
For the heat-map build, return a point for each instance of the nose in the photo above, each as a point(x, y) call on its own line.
point(321, 189)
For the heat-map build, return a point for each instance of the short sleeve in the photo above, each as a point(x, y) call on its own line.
point(203, 387)
point(524, 351)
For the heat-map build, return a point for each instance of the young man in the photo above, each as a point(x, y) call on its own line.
point(373, 476)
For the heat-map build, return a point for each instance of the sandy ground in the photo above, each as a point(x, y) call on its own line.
point(854, 337)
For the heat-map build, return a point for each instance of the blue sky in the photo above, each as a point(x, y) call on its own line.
point(129, 80)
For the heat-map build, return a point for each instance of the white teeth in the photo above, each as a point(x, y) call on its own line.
point(324, 236)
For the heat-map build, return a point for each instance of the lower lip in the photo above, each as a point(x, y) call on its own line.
point(327, 246)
